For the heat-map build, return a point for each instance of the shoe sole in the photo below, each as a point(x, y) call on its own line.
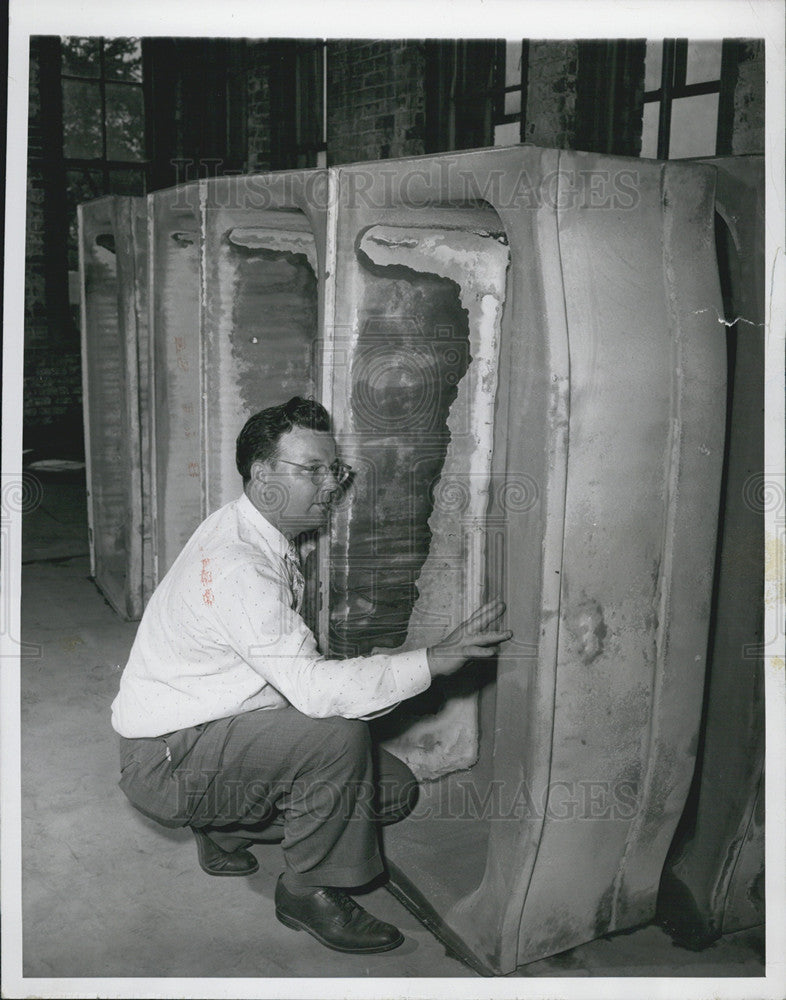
point(297, 925)
point(248, 871)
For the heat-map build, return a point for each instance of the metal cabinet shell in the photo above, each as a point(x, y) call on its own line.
point(521, 353)
point(235, 307)
point(115, 380)
point(175, 363)
point(595, 470)
point(263, 252)
point(231, 270)
point(713, 882)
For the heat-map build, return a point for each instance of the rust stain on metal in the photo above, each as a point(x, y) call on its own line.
point(280, 240)
point(478, 265)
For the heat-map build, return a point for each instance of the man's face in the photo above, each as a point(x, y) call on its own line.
point(288, 490)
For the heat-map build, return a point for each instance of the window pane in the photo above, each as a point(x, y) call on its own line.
point(512, 64)
point(507, 134)
point(649, 130)
point(84, 185)
point(80, 56)
point(82, 137)
point(123, 59)
point(81, 185)
point(513, 102)
point(653, 64)
point(704, 62)
point(694, 125)
point(126, 181)
point(125, 122)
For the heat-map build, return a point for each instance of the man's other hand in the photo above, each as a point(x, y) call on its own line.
point(470, 641)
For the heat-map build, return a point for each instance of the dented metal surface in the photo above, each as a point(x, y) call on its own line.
point(619, 425)
point(643, 465)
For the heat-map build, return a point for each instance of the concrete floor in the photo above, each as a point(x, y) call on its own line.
point(108, 893)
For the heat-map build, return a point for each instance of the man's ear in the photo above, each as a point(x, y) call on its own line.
point(259, 473)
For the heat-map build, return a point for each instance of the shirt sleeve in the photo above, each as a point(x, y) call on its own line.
point(253, 612)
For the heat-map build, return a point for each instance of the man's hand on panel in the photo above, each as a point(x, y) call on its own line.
point(469, 641)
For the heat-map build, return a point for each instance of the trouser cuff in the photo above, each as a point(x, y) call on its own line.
point(343, 878)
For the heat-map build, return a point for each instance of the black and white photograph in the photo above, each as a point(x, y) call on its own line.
point(393, 500)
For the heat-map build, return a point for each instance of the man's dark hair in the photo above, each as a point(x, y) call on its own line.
point(258, 441)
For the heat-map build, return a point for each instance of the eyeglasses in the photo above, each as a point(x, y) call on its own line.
point(319, 473)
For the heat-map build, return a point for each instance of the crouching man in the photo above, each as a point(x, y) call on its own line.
point(232, 723)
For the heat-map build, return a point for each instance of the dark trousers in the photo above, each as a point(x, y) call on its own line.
point(233, 776)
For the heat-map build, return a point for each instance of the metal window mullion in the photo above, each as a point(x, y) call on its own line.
point(97, 79)
point(499, 90)
point(323, 44)
point(145, 103)
point(696, 89)
point(298, 98)
point(96, 164)
point(666, 88)
point(680, 75)
point(102, 88)
point(453, 94)
point(728, 82)
point(524, 88)
point(611, 93)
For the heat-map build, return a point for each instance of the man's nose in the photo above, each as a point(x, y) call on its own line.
point(330, 484)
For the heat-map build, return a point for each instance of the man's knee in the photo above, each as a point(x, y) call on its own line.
point(397, 788)
point(401, 803)
point(343, 739)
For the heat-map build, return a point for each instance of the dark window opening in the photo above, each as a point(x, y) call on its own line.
point(476, 93)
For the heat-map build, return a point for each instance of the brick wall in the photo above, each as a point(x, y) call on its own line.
point(35, 281)
point(551, 94)
point(376, 102)
point(52, 417)
point(748, 129)
point(53, 403)
point(376, 109)
point(52, 388)
point(258, 107)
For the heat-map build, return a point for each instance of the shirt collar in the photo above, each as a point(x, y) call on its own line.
point(274, 538)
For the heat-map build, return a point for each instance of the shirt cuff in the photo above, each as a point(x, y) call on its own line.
point(411, 672)
point(412, 676)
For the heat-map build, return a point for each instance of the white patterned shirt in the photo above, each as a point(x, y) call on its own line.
point(222, 635)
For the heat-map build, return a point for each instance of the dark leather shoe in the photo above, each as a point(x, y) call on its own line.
point(214, 861)
point(335, 920)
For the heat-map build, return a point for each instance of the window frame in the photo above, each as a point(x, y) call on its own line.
point(451, 91)
point(499, 116)
point(673, 86)
point(102, 165)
